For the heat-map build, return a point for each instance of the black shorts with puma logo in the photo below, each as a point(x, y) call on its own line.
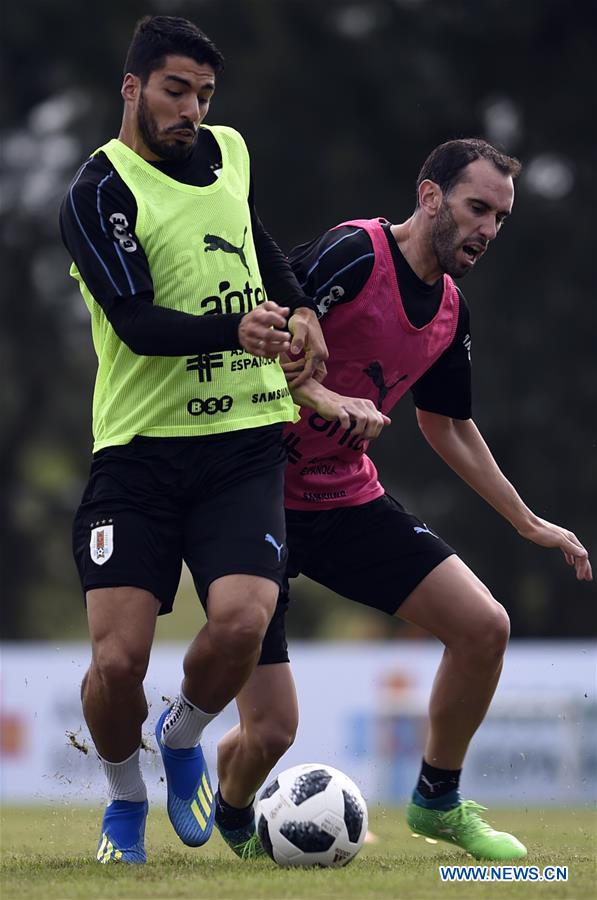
point(214, 502)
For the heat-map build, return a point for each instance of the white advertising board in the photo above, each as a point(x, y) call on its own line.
point(362, 710)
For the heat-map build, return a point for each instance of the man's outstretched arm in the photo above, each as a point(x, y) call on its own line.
point(461, 445)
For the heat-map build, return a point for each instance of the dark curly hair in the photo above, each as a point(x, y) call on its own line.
point(156, 37)
point(446, 163)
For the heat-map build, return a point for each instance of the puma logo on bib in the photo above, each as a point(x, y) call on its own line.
point(215, 242)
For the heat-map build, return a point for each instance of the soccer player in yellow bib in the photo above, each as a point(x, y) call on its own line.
point(189, 406)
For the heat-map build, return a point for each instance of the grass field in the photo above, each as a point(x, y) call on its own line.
point(47, 853)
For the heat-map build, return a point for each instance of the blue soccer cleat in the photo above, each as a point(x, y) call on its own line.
point(123, 833)
point(191, 806)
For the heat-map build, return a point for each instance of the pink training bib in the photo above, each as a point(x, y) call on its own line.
point(375, 353)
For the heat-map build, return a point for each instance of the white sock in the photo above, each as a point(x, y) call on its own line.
point(184, 724)
point(125, 781)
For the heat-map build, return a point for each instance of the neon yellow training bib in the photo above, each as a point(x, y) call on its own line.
point(199, 245)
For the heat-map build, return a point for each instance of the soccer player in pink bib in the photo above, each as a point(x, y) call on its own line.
point(394, 320)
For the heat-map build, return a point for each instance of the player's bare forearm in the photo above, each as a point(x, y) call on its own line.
point(461, 445)
point(355, 413)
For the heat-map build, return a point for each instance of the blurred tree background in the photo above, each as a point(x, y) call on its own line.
point(340, 102)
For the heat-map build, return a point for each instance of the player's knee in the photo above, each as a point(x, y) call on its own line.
point(502, 627)
point(120, 670)
point(241, 637)
point(498, 630)
point(487, 644)
point(273, 739)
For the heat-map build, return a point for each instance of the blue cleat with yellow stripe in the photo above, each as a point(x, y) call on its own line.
point(123, 833)
point(191, 806)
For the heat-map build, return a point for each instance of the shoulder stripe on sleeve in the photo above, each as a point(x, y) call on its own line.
point(106, 232)
point(85, 235)
point(327, 250)
point(337, 274)
point(98, 203)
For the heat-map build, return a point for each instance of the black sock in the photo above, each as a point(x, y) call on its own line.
point(434, 783)
point(231, 817)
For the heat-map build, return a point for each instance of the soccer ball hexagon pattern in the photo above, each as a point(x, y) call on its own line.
point(312, 815)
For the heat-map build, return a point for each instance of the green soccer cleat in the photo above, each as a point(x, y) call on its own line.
point(463, 827)
point(244, 842)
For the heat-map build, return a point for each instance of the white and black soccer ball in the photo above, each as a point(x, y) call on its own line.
point(312, 815)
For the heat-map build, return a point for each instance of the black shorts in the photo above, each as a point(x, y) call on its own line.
point(376, 553)
point(215, 502)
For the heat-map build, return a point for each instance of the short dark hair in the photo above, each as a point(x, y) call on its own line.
point(446, 163)
point(156, 37)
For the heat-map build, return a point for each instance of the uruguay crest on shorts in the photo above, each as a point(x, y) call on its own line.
point(101, 544)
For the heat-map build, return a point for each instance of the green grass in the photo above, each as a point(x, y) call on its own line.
point(47, 852)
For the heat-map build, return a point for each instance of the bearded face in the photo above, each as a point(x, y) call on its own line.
point(470, 216)
point(447, 243)
point(165, 143)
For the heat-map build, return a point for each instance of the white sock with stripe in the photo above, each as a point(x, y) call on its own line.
point(125, 781)
point(184, 724)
